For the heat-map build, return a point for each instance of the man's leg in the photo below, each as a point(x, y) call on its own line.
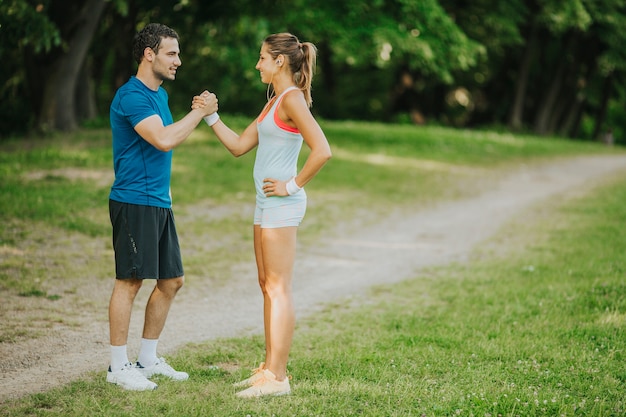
point(159, 305)
point(121, 372)
point(120, 308)
point(157, 310)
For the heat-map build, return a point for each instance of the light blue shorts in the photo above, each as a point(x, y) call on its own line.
point(281, 216)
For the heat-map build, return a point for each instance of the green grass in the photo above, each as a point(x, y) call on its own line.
point(37, 185)
point(536, 330)
point(466, 147)
point(60, 184)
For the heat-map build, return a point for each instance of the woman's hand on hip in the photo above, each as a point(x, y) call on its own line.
point(274, 187)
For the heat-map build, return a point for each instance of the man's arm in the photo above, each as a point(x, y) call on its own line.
point(166, 138)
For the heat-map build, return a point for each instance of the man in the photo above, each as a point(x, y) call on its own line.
point(144, 233)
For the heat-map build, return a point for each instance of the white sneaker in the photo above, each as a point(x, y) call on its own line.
point(162, 368)
point(130, 378)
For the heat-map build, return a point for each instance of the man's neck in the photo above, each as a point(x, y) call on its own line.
point(148, 79)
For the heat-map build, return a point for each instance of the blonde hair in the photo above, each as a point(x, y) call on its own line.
point(301, 56)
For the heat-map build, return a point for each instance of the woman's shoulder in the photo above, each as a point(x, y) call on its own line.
point(293, 98)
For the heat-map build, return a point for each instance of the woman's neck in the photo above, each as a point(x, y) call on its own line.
point(281, 85)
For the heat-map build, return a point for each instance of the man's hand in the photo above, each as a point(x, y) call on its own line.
point(207, 102)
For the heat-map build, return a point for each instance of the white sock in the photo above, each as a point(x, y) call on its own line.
point(119, 357)
point(148, 352)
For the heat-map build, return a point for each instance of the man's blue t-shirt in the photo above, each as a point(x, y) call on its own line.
point(142, 172)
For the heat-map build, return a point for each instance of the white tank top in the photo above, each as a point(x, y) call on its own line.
point(277, 154)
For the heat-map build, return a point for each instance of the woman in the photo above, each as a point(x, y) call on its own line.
point(287, 66)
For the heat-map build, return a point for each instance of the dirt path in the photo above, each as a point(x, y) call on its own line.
point(395, 249)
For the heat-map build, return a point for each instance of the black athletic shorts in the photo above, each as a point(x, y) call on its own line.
point(145, 242)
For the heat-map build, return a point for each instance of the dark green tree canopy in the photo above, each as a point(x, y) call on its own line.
point(549, 66)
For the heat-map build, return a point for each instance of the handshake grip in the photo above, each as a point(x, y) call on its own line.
point(212, 118)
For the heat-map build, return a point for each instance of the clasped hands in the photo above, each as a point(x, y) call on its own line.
point(207, 102)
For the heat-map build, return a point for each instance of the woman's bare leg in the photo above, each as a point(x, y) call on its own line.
point(278, 255)
point(258, 253)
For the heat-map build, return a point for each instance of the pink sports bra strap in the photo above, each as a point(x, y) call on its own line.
point(279, 122)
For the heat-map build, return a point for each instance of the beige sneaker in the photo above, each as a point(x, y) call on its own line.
point(266, 385)
point(254, 376)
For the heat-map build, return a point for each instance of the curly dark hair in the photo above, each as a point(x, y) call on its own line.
point(150, 37)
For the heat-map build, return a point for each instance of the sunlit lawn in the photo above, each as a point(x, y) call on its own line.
point(535, 328)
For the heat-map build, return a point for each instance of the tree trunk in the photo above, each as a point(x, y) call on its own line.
point(607, 87)
point(555, 117)
point(58, 110)
point(548, 108)
point(569, 125)
point(110, 57)
point(571, 122)
point(516, 117)
point(568, 95)
point(328, 79)
point(85, 98)
point(123, 31)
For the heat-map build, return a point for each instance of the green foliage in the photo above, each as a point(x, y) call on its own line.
point(28, 25)
point(610, 22)
point(360, 43)
point(446, 48)
point(561, 17)
point(226, 53)
point(24, 29)
point(494, 24)
point(445, 61)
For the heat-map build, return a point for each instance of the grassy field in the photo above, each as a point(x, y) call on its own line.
point(535, 329)
point(41, 177)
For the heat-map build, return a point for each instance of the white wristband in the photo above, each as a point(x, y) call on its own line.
point(212, 118)
point(292, 187)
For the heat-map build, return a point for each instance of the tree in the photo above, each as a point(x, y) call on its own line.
point(60, 69)
point(546, 65)
point(24, 30)
point(549, 64)
point(380, 44)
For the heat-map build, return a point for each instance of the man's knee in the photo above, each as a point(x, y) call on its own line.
point(171, 285)
point(128, 286)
